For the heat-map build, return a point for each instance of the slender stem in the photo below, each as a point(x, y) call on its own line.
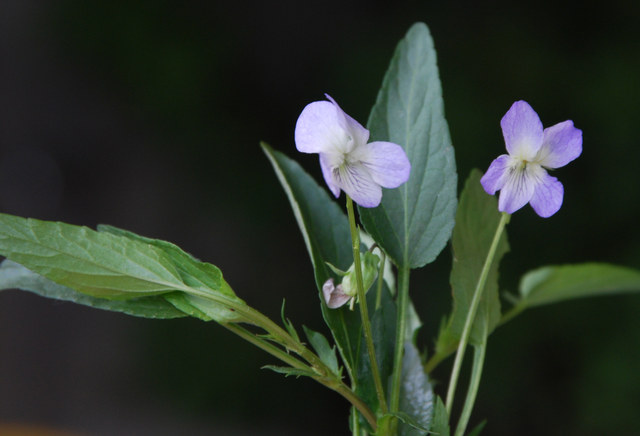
point(330, 382)
point(401, 322)
point(439, 356)
point(473, 308)
point(476, 373)
point(512, 313)
point(380, 280)
point(364, 311)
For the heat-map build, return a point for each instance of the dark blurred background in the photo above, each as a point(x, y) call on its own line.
point(147, 115)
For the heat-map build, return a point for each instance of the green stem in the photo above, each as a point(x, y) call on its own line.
point(439, 356)
point(364, 311)
point(474, 383)
point(380, 279)
point(473, 308)
point(401, 322)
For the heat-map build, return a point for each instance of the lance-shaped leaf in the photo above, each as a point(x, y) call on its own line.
point(16, 276)
point(551, 284)
point(476, 223)
point(413, 223)
point(98, 264)
point(116, 265)
point(325, 230)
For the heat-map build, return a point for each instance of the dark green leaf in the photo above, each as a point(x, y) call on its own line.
point(326, 352)
point(14, 275)
point(478, 429)
point(414, 222)
point(440, 425)
point(416, 394)
point(476, 222)
point(551, 284)
point(325, 230)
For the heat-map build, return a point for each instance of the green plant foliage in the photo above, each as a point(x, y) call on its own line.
point(551, 284)
point(325, 351)
point(16, 276)
point(440, 425)
point(325, 230)
point(476, 222)
point(416, 394)
point(98, 264)
point(414, 222)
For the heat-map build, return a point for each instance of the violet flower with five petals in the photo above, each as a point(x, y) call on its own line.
point(348, 162)
point(521, 176)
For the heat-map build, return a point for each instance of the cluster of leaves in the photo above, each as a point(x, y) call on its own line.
point(117, 270)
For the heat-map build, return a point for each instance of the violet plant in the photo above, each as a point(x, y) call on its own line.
point(372, 357)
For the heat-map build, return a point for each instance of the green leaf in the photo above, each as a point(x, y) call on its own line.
point(326, 234)
point(476, 222)
point(416, 393)
point(194, 273)
point(326, 352)
point(414, 222)
point(478, 429)
point(288, 371)
point(551, 284)
point(16, 276)
point(383, 330)
point(99, 264)
point(440, 425)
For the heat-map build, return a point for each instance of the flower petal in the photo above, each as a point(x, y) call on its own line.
point(522, 131)
point(561, 144)
point(548, 196)
point(354, 179)
point(358, 133)
point(327, 173)
point(320, 128)
point(519, 187)
point(387, 163)
point(333, 295)
point(497, 174)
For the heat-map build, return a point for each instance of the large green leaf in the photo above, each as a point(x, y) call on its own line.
point(16, 276)
point(440, 425)
point(414, 222)
point(99, 264)
point(476, 223)
point(326, 234)
point(551, 284)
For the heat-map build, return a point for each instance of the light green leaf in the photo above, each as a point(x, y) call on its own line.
point(16, 276)
point(326, 352)
point(551, 284)
point(478, 429)
point(476, 222)
point(414, 222)
point(416, 394)
point(440, 425)
point(99, 264)
point(326, 234)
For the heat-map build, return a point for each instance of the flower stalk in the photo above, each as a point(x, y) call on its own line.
point(364, 311)
point(473, 308)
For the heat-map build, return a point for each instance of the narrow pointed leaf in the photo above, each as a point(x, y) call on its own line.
point(414, 222)
point(551, 284)
point(326, 352)
point(325, 230)
point(440, 425)
point(16, 276)
point(476, 222)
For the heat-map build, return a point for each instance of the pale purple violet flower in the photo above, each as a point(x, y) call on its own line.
point(348, 163)
point(521, 175)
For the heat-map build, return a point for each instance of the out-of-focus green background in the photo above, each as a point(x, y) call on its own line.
point(147, 115)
